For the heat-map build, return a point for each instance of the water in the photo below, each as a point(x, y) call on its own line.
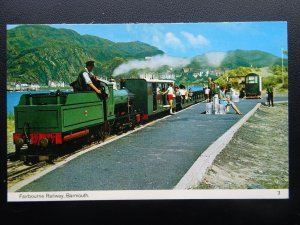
point(195, 88)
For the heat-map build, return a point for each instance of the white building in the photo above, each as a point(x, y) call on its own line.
point(56, 83)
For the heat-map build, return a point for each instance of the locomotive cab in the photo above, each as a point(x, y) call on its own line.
point(107, 95)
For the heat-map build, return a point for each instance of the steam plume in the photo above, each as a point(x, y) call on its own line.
point(215, 58)
point(153, 63)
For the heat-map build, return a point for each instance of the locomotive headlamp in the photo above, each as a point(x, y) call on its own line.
point(44, 142)
point(19, 142)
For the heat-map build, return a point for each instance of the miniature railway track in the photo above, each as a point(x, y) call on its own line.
point(18, 170)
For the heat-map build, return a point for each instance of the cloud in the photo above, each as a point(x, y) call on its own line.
point(156, 40)
point(154, 63)
point(173, 41)
point(198, 40)
point(215, 58)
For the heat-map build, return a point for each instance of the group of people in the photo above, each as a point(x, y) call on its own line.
point(178, 92)
point(212, 89)
point(183, 94)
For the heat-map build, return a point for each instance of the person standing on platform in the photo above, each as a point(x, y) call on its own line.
point(171, 95)
point(182, 93)
point(206, 93)
point(270, 95)
point(211, 86)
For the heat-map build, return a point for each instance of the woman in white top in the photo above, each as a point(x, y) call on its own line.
point(226, 101)
point(171, 94)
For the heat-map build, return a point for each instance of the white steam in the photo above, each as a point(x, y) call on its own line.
point(215, 58)
point(152, 63)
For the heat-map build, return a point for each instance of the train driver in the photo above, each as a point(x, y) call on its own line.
point(85, 79)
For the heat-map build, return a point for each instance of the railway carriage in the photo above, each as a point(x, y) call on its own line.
point(148, 101)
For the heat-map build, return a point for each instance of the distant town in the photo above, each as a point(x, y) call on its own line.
point(16, 86)
point(185, 71)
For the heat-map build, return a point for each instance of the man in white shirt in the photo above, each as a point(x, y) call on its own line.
point(84, 80)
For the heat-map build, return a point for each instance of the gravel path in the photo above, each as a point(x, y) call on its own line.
point(256, 157)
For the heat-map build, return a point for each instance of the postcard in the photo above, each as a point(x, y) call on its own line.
point(139, 111)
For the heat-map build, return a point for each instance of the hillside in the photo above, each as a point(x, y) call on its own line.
point(229, 63)
point(39, 53)
point(237, 58)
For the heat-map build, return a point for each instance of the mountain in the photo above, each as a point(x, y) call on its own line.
point(237, 58)
point(214, 64)
point(39, 53)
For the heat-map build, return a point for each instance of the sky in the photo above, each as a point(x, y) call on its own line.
point(187, 40)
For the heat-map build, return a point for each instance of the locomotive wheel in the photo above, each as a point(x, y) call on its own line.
point(104, 131)
point(133, 124)
point(118, 128)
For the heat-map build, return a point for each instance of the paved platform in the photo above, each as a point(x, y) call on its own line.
point(153, 158)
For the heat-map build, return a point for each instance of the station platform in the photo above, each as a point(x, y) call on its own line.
point(153, 158)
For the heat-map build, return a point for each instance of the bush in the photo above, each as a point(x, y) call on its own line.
point(10, 116)
point(271, 80)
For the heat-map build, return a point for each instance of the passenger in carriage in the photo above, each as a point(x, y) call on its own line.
point(226, 101)
point(177, 94)
point(158, 94)
point(190, 94)
point(186, 97)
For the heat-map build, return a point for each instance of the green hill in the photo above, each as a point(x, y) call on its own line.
point(237, 58)
point(39, 53)
point(238, 61)
point(252, 58)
